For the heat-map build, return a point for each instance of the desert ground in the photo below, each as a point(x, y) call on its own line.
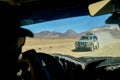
point(109, 46)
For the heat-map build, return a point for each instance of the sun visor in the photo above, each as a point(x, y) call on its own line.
point(101, 7)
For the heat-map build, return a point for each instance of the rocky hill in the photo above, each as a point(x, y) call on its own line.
point(113, 30)
point(68, 33)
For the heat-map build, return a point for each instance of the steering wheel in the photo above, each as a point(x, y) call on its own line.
point(53, 66)
point(40, 66)
point(30, 67)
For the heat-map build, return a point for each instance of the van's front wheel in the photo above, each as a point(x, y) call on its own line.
point(92, 48)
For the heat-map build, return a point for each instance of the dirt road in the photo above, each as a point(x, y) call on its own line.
point(108, 46)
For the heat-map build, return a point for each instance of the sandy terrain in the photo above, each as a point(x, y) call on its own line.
point(108, 46)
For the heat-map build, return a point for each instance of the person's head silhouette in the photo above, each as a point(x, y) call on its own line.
point(10, 33)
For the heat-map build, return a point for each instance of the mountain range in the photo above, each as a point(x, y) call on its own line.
point(114, 30)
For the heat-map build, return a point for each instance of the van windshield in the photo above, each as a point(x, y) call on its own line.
point(86, 38)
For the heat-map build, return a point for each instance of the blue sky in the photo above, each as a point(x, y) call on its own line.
point(78, 24)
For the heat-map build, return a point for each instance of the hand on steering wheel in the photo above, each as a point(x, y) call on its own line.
point(40, 66)
point(31, 67)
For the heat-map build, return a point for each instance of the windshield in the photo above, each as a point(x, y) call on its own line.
point(71, 43)
point(59, 36)
point(86, 38)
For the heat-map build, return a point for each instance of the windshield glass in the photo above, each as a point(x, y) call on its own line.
point(86, 38)
point(59, 36)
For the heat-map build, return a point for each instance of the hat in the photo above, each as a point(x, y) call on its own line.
point(9, 16)
point(25, 32)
